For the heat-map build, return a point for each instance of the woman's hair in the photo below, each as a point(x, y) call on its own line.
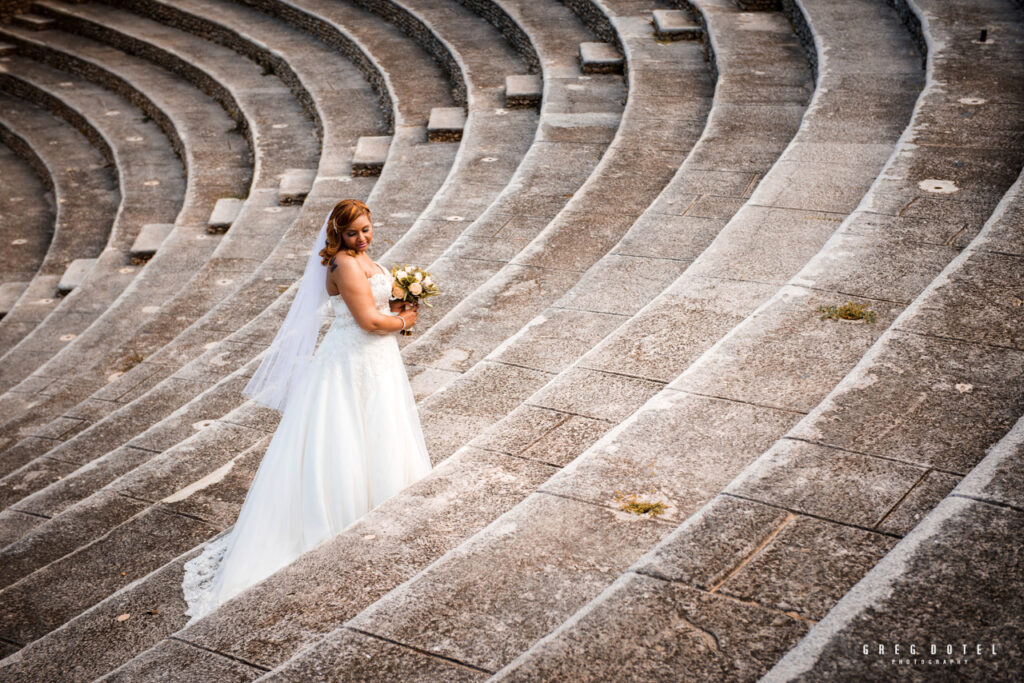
point(344, 214)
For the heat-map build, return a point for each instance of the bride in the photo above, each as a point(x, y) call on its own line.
point(349, 436)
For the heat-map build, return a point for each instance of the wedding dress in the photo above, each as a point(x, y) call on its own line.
point(347, 441)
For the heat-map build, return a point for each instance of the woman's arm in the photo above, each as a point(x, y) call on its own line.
point(354, 287)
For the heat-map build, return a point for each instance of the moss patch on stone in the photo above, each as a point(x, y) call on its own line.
point(848, 311)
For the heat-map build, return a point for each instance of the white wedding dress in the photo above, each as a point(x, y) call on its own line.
point(348, 440)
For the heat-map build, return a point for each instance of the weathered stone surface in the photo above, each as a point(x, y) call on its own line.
point(595, 394)
point(713, 543)
point(523, 90)
point(825, 482)
point(954, 398)
point(75, 274)
point(350, 655)
point(953, 580)
point(175, 661)
point(683, 633)
point(552, 340)
point(224, 214)
point(785, 355)
point(296, 184)
point(675, 25)
point(470, 606)
point(370, 155)
point(980, 302)
point(7, 49)
point(9, 293)
point(272, 621)
point(674, 329)
point(446, 124)
point(678, 449)
point(919, 502)
point(149, 239)
point(999, 478)
point(807, 567)
point(597, 58)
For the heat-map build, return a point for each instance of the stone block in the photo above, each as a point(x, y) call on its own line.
point(523, 90)
point(446, 124)
point(595, 394)
point(674, 24)
point(512, 583)
point(825, 482)
point(600, 58)
point(646, 629)
point(370, 155)
point(75, 274)
point(296, 184)
point(149, 239)
point(224, 213)
point(32, 22)
point(9, 293)
point(956, 579)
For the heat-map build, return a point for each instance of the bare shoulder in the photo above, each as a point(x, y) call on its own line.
point(343, 267)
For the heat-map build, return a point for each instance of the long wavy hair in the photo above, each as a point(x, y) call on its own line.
point(343, 215)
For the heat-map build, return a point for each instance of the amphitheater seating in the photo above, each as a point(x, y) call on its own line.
point(640, 214)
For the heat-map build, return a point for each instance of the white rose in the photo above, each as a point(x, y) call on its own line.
point(415, 289)
point(427, 282)
point(419, 276)
point(401, 275)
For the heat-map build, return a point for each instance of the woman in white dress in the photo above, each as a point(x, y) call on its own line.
point(349, 436)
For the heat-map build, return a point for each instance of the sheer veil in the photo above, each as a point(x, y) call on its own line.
point(288, 358)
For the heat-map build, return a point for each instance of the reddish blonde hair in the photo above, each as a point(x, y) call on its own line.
point(343, 215)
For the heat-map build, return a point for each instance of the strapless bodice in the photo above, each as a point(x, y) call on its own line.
point(380, 286)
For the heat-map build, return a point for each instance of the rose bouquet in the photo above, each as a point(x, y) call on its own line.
point(412, 284)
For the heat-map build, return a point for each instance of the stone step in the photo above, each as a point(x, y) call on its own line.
point(673, 24)
point(7, 49)
point(370, 155)
point(600, 58)
point(149, 239)
point(925, 575)
point(32, 22)
point(839, 490)
point(196, 126)
point(75, 274)
point(492, 132)
point(86, 197)
point(296, 184)
point(225, 213)
point(524, 90)
point(10, 292)
point(446, 124)
point(616, 192)
point(27, 217)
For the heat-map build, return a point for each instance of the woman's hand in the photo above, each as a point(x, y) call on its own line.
point(409, 316)
point(397, 305)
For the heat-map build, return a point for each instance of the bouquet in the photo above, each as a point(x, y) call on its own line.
point(412, 284)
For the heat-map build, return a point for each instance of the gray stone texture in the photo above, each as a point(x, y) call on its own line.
point(446, 124)
point(654, 630)
point(149, 239)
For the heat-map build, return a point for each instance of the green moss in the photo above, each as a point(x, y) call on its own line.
point(848, 311)
point(632, 503)
point(131, 359)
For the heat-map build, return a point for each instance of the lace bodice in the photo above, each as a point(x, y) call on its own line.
point(380, 286)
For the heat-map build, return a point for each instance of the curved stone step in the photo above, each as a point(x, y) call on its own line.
point(86, 194)
point(745, 133)
point(838, 492)
point(152, 186)
point(550, 259)
point(268, 278)
point(26, 221)
point(925, 575)
point(197, 126)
